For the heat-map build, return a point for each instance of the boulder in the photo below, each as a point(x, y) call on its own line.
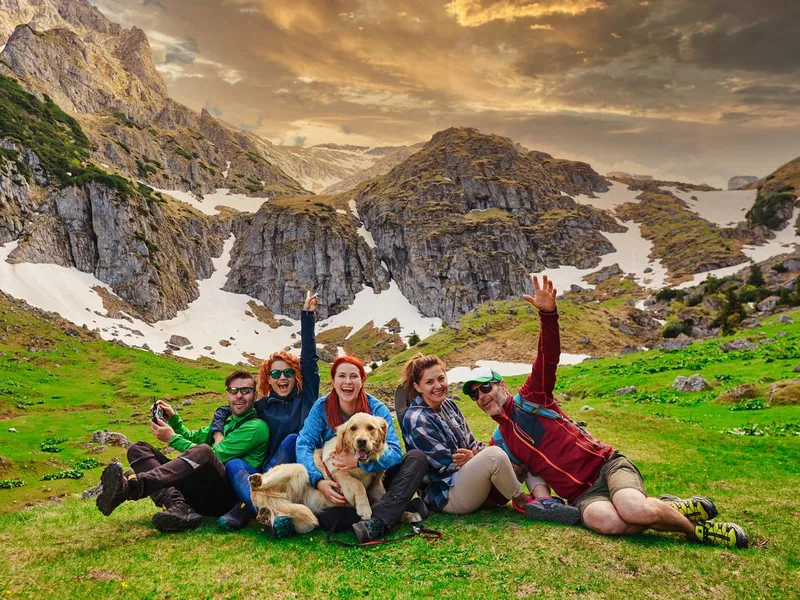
point(586, 407)
point(768, 304)
point(785, 392)
point(631, 389)
point(179, 340)
point(695, 383)
point(607, 273)
point(738, 344)
point(111, 438)
point(743, 392)
point(677, 343)
point(785, 319)
point(92, 492)
point(737, 182)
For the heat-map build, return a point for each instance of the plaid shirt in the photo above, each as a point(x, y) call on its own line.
point(438, 434)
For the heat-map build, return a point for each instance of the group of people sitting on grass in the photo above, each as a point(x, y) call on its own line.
point(535, 445)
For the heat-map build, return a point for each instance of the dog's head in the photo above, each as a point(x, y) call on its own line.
point(364, 435)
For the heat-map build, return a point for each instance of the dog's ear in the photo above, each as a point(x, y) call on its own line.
point(340, 431)
point(384, 430)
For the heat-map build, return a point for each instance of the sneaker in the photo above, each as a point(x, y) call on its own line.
point(177, 517)
point(281, 527)
point(697, 508)
point(115, 489)
point(729, 535)
point(369, 531)
point(236, 518)
point(552, 510)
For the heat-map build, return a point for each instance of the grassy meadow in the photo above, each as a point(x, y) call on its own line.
point(64, 387)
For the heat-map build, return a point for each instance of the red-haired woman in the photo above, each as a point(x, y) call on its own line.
point(287, 389)
point(403, 473)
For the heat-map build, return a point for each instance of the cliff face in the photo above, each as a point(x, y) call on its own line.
point(293, 244)
point(150, 250)
point(467, 217)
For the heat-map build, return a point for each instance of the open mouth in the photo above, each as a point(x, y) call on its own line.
point(362, 456)
point(283, 387)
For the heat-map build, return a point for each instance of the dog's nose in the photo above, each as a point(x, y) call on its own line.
point(361, 443)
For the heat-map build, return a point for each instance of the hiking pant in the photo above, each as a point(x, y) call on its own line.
point(473, 482)
point(401, 483)
point(196, 477)
point(238, 471)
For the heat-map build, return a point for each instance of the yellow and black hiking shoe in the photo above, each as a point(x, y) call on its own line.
point(697, 508)
point(729, 535)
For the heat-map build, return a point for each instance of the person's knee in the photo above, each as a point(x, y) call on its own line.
point(417, 457)
point(634, 507)
point(233, 466)
point(138, 451)
point(603, 520)
point(496, 455)
point(201, 454)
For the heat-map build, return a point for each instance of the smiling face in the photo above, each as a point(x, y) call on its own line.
point(492, 402)
point(347, 383)
point(282, 386)
point(364, 435)
point(432, 386)
point(240, 402)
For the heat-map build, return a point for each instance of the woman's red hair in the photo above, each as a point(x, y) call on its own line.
point(332, 409)
point(264, 388)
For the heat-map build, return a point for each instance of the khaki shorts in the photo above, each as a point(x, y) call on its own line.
point(617, 474)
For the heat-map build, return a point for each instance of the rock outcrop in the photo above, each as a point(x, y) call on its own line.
point(150, 250)
point(293, 244)
point(739, 182)
point(465, 219)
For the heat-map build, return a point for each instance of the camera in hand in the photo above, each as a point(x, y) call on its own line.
point(157, 412)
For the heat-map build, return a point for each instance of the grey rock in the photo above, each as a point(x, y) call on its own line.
point(630, 350)
point(738, 344)
point(12, 430)
point(585, 340)
point(187, 402)
point(92, 492)
point(576, 289)
point(768, 304)
point(695, 383)
point(179, 340)
point(780, 334)
point(285, 322)
point(737, 182)
point(792, 264)
point(607, 273)
point(631, 389)
point(586, 407)
point(111, 438)
point(796, 369)
point(785, 319)
point(677, 343)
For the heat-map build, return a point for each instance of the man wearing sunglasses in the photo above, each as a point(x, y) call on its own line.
point(604, 485)
point(194, 484)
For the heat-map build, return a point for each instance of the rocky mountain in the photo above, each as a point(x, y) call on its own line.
point(777, 197)
point(380, 167)
point(104, 75)
point(294, 244)
point(317, 167)
point(740, 182)
point(466, 218)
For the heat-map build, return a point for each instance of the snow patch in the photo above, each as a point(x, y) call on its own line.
point(724, 208)
point(508, 369)
point(220, 197)
point(362, 231)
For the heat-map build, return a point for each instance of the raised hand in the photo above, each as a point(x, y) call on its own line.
point(544, 296)
point(311, 301)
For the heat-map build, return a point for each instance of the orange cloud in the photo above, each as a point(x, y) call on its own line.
point(474, 13)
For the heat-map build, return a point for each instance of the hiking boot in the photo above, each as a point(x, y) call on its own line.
point(729, 535)
point(552, 510)
point(236, 518)
point(116, 489)
point(697, 508)
point(369, 531)
point(281, 528)
point(417, 505)
point(179, 516)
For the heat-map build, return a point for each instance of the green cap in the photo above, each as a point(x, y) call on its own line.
point(480, 375)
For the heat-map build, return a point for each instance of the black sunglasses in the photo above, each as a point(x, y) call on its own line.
point(484, 387)
point(276, 373)
point(236, 390)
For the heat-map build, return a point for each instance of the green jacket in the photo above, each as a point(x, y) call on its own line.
point(246, 437)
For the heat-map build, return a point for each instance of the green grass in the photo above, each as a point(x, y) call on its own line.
point(65, 548)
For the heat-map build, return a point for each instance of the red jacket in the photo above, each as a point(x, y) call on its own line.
point(566, 456)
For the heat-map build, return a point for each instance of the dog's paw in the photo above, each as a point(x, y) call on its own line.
point(365, 512)
point(255, 480)
point(263, 516)
point(411, 517)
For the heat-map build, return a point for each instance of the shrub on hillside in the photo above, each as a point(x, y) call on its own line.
point(672, 330)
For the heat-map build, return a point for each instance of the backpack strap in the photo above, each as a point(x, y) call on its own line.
point(537, 409)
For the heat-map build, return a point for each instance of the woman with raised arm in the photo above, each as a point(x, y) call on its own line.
point(287, 389)
point(403, 473)
point(463, 475)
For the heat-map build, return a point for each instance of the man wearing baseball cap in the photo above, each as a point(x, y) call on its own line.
point(604, 485)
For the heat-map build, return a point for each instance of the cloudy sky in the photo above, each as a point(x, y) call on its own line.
point(697, 90)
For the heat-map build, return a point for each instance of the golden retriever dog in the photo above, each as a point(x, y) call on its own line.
point(285, 489)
